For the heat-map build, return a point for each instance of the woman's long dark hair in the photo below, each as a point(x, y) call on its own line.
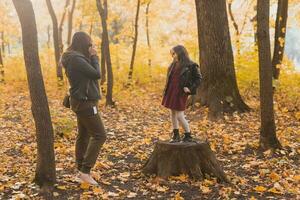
point(183, 55)
point(81, 42)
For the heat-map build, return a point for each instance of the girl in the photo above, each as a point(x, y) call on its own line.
point(82, 69)
point(183, 78)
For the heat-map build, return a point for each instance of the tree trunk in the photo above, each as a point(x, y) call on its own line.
point(45, 168)
point(3, 43)
point(59, 72)
point(48, 36)
point(174, 159)
point(103, 14)
point(134, 41)
point(236, 27)
point(1, 68)
point(268, 137)
point(8, 48)
point(61, 26)
point(147, 33)
point(70, 22)
point(279, 41)
point(103, 63)
point(91, 27)
point(254, 22)
point(219, 90)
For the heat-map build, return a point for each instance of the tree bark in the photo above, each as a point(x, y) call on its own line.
point(254, 22)
point(3, 43)
point(60, 28)
point(48, 36)
point(70, 22)
point(1, 68)
point(56, 43)
point(103, 14)
point(135, 40)
point(236, 27)
point(174, 159)
point(45, 168)
point(268, 139)
point(218, 90)
point(147, 33)
point(103, 63)
point(279, 41)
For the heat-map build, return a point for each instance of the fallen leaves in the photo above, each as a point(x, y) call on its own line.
point(260, 189)
point(254, 176)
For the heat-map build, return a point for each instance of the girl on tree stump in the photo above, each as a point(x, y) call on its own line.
point(183, 79)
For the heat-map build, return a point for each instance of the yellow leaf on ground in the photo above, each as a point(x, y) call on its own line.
point(273, 190)
point(61, 187)
point(274, 176)
point(296, 177)
point(205, 190)
point(260, 188)
point(84, 186)
point(97, 190)
point(178, 196)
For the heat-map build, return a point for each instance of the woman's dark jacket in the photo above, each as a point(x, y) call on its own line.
point(83, 75)
point(190, 77)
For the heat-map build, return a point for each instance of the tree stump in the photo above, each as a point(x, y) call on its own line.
point(191, 158)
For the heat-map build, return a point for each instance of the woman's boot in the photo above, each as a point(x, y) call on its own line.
point(176, 136)
point(187, 137)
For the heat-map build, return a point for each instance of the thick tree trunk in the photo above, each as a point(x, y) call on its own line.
point(45, 168)
point(70, 22)
point(103, 14)
point(1, 68)
point(219, 90)
point(279, 41)
point(174, 159)
point(236, 27)
point(59, 72)
point(147, 33)
point(135, 40)
point(61, 26)
point(268, 137)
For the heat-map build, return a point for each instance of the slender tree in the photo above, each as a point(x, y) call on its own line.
point(103, 15)
point(268, 137)
point(235, 25)
point(219, 90)
point(48, 36)
point(70, 21)
point(45, 168)
point(60, 27)
point(147, 32)
point(59, 72)
point(3, 43)
point(279, 41)
point(103, 63)
point(134, 40)
point(1, 68)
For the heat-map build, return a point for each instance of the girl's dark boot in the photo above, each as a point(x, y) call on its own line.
point(187, 137)
point(176, 136)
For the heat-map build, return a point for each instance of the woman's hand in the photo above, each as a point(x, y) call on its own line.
point(186, 90)
point(92, 51)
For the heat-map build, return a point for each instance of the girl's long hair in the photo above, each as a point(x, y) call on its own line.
point(183, 55)
point(81, 42)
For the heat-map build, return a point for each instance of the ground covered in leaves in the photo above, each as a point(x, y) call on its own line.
point(133, 126)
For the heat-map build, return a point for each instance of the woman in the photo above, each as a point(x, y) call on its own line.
point(82, 69)
point(183, 78)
